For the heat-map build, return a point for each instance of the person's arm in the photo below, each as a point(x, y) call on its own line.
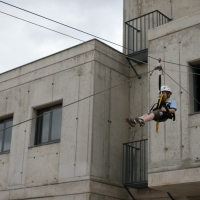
point(171, 110)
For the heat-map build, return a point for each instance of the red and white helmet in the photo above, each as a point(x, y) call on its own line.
point(165, 88)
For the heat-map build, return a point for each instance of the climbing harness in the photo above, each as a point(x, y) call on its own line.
point(161, 116)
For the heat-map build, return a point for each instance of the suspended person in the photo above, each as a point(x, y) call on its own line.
point(165, 111)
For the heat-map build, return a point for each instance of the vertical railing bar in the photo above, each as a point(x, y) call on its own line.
point(140, 161)
point(125, 168)
point(146, 159)
point(162, 19)
point(124, 173)
point(133, 41)
point(125, 40)
point(153, 19)
point(123, 164)
point(150, 21)
point(141, 33)
point(133, 37)
point(144, 162)
point(145, 32)
point(129, 166)
point(132, 163)
point(126, 164)
point(133, 175)
point(128, 39)
point(137, 35)
point(142, 167)
point(135, 163)
point(157, 18)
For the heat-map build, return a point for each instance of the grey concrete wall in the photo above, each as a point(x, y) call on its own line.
point(179, 47)
point(90, 147)
point(176, 147)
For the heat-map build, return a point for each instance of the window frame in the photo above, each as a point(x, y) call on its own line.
point(195, 92)
point(5, 120)
point(39, 121)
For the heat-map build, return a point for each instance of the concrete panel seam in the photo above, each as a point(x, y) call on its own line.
point(46, 76)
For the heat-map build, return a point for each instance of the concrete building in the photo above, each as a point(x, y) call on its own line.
point(74, 152)
point(69, 110)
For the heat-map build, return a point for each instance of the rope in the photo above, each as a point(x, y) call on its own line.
point(87, 33)
point(110, 88)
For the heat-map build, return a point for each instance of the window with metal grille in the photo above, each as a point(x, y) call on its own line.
point(5, 134)
point(196, 87)
point(48, 126)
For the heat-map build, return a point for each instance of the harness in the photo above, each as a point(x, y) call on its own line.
point(161, 116)
point(165, 115)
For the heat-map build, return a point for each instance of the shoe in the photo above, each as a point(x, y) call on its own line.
point(140, 121)
point(131, 122)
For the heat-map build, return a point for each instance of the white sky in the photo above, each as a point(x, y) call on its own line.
point(21, 43)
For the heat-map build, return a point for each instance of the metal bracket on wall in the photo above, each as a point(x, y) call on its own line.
point(129, 60)
point(129, 192)
point(170, 196)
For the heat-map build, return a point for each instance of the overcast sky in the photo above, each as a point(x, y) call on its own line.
point(21, 43)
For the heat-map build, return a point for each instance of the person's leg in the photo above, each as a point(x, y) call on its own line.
point(149, 117)
point(144, 116)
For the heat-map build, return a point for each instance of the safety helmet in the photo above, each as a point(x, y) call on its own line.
point(165, 88)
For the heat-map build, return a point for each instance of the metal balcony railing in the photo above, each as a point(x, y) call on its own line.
point(136, 41)
point(135, 162)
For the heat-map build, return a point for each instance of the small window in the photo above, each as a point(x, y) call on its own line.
point(48, 126)
point(196, 87)
point(5, 134)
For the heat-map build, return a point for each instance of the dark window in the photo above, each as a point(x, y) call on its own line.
point(5, 134)
point(196, 87)
point(48, 126)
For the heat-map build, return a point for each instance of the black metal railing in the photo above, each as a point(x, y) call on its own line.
point(135, 162)
point(136, 31)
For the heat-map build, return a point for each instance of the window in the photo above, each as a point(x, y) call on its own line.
point(5, 134)
point(48, 125)
point(196, 87)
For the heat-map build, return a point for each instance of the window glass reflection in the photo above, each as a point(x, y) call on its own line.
point(8, 134)
point(45, 127)
point(56, 124)
point(5, 134)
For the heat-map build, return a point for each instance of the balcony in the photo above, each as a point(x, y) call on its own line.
point(136, 41)
point(135, 162)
